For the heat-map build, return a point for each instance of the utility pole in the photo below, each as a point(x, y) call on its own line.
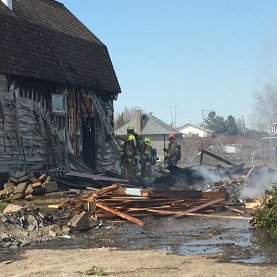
point(203, 123)
point(203, 118)
point(175, 117)
point(243, 124)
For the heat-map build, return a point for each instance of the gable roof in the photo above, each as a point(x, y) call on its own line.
point(151, 125)
point(194, 126)
point(42, 39)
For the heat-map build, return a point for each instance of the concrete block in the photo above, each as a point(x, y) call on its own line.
point(29, 197)
point(52, 233)
point(19, 191)
point(2, 193)
point(34, 180)
point(13, 180)
point(37, 185)
point(29, 190)
point(23, 179)
point(9, 188)
point(51, 187)
point(43, 177)
point(53, 230)
point(66, 229)
point(21, 188)
point(12, 208)
point(79, 222)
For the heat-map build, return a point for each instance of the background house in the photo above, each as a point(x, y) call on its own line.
point(147, 125)
point(50, 65)
point(192, 130)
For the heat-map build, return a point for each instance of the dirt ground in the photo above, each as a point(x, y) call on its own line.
point(162, 247)
point(74, 262)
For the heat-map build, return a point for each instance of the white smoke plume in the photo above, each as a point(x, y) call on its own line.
point(261, 180)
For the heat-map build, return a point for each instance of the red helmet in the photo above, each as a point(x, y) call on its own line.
point(172, 135)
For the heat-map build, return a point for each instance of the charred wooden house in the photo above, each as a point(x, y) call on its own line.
point(51, 68)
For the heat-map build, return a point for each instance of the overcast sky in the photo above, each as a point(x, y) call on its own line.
point(190, 54)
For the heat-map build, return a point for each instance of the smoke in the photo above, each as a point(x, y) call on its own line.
point(198, 179)
point(261, 179)
point(209, 176)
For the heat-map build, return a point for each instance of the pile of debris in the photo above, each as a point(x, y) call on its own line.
point(9, 241)
point(265, 216)
point(134, 203)
point(36, 224)
point(25, 187)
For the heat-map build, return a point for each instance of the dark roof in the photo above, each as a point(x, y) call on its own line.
point(42, 39)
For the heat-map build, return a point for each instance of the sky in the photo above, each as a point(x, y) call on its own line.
point(186, 57)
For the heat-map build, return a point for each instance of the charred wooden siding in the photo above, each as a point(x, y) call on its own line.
point(32, 134)
point(45, 49)
point(27, 136)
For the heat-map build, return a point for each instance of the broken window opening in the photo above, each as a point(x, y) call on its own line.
point(59, 102)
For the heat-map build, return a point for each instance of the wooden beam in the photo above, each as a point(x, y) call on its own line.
point(164, 212)
point(99, 192)
point(194, 209)
point(213, 194)
point(177, 194)
point(203, 151)
point(120, 214)
point(234, 210)
point(105, 190)
point(220, 216)
point(249, 172)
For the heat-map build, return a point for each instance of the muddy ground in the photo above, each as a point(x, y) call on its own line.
point(162, 247)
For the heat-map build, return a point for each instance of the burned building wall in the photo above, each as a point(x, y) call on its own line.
point(106, 153)
point(36, 131)
point(88, 133)
point(26, 135)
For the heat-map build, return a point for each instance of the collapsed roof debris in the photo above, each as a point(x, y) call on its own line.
point(79, 196)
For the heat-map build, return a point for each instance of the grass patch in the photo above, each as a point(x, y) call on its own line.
point(3, 204)
point(96, 271)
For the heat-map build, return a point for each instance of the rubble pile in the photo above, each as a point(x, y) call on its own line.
point(29, 220)
point(9, 241)
point(25, 187)
point(232, 188)
point(265, 216)
point(130, 203)
point(75, 199)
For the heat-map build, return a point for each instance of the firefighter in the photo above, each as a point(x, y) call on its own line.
point(146, 161)
point(131, 131)
point(129, 159)
point(172, 150)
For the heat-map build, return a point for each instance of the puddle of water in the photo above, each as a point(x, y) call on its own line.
point(187, 250)
point(10, 255)
point(183, 237)
point(257, 259)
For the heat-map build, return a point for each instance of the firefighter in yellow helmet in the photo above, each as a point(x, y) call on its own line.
point(146, 165)
point(131, 132)
point(129, 159)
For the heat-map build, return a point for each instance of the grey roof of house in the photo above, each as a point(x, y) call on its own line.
point(195, 126)
point(151, 125)
point(43, 39)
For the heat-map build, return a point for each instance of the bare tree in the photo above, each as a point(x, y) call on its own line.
point(241, 126)
point(265, 109)
point(123, 117)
